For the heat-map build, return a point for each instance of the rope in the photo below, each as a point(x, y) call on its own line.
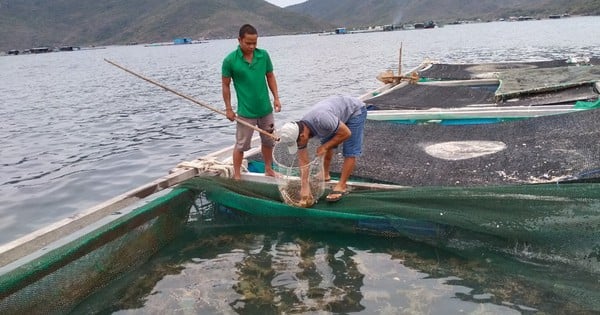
point(211, 164)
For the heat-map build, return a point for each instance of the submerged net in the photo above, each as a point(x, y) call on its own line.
point(290, 171)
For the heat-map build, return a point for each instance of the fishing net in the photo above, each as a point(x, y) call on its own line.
point(534, 150)
point(557, 222)
point(290, 172)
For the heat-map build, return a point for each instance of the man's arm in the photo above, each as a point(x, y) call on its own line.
point(342, 134)
point(226, 87)
point(304, 174)
point(272, 83)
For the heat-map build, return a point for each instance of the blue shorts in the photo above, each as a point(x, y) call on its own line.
point(352, 147)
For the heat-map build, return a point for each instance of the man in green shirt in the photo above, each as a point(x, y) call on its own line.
point(248, 66)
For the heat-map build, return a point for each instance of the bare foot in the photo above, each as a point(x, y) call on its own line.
point(325, 178)
point(271, 173)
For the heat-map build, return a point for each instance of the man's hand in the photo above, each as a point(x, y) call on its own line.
point(305, 192)
point(230, 114)
point(342, 134)
point(277, 105)
point(306, 198)
point(321, 150)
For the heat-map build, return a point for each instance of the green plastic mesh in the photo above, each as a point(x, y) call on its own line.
point(549, 222)
point(587, 105)
point(56, 281)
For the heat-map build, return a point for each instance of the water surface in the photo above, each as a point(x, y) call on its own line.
point(76, 131)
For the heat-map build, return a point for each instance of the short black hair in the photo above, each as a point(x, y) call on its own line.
point(247, 29)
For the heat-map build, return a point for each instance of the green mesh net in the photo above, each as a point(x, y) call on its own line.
point(587, 105)
point(550, 222)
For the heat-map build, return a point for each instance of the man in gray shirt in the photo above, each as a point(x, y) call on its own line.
point(335, 120)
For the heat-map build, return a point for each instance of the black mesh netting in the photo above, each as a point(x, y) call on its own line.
point(535, 150)
point(417, 96)
point(443, 71)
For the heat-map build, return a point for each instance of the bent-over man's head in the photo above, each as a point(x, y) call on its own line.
point(289, 133)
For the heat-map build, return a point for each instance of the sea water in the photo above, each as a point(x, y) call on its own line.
point(77, 131)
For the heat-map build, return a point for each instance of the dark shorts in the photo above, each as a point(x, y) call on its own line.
point(243, 135)
point(352, 147)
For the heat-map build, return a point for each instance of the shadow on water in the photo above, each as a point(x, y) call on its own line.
point(250, 269)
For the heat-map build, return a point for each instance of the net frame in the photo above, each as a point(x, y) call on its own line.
point(289, 174)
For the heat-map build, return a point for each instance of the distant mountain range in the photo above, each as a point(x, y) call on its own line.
point(352, 13)
point(33, 23)
point(30, 23)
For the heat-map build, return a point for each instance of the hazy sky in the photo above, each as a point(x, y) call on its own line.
point(285, 3)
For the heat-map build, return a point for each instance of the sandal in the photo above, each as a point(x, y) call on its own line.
point(335, 195)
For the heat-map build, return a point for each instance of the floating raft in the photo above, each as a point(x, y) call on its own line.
point(493, 84)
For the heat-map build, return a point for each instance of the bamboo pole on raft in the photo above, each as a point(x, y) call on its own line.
point(400, 61)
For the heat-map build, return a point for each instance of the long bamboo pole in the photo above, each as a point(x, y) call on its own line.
point(400, 61)
point(203, 104)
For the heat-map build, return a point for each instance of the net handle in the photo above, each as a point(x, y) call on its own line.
point(203, 104)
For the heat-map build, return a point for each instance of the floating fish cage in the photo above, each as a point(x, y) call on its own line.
point(54, 272)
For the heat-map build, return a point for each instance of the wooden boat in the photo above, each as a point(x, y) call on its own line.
point(486, 93)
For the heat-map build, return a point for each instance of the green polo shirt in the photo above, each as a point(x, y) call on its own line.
point(249, 82)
